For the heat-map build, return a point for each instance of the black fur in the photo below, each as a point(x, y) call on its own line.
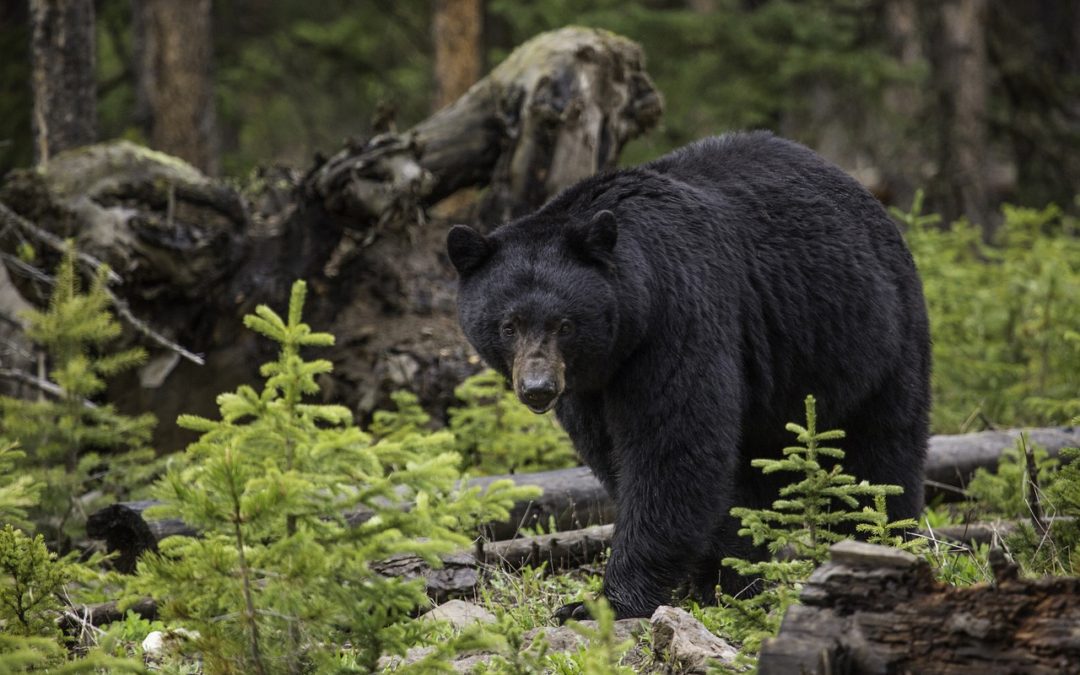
point(738, 275)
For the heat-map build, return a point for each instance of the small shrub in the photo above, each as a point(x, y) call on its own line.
point(1003, 314)
point(66, 441)
point(33, 582)
point(496, 434)
point(803, 522)
point(279, 580)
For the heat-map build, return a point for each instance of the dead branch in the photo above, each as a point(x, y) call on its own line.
point(50, 388)
point(11, 219)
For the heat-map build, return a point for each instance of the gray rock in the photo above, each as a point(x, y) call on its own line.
point(565, 639)
point(687, 644)
point(459, 614)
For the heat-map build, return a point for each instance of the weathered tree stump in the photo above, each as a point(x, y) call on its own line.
point(879, 610)
point(195, 255)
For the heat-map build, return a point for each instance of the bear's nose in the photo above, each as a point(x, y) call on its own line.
point(538, 393)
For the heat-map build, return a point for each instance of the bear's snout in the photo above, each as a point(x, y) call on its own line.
point(539, 373)
point(538, 390)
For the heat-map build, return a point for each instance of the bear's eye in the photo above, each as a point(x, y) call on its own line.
point(566, 328)
point(507, 330)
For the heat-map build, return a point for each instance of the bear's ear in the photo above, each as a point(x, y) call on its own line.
point(597, 238)
point(468, 249)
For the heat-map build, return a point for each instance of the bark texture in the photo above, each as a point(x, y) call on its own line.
point(879, 610)
point(65, 88)
point(174, 80)
point(457, 30)
point(962, 85)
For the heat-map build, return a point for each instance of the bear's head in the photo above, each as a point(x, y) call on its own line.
point(537, 300)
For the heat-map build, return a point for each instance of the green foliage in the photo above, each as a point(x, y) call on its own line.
point(803, 522)
point(1004, 316)
point(32, 582)
point(1054, 548)
point(408, 418)
point(738, 79)
point(497, 434)
point(604, 652)
point(308, 74)
point(528, 598)
point(125, 637)
point(17, 493)
point(31, 585)
point(65, 439)
point(1004, 492)
point(493, 432)
point(960, 565)
point(880, 530)
point(279, 580)
point(1050, 545)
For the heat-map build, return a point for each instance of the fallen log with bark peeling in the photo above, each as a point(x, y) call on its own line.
point(574, 499)
point(873, 609)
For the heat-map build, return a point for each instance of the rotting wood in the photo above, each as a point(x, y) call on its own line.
point(873, 609)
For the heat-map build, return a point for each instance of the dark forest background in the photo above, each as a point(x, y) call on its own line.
point(977, 101)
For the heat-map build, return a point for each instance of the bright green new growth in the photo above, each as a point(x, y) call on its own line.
point(493, 431)
point(279, 579)
point(804, 522)
point(17, 493)
point(64, 439)
point(32, 583)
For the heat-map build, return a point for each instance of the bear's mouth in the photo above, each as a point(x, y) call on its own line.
point(537, 407)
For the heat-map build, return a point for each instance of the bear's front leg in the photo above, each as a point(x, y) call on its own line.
point(677, 464)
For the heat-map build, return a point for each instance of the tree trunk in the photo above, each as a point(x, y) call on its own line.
point(901, 146)
point(878, 610)
point(65, 89)
point(457, 33)
point(962, 74)
point(174, 81)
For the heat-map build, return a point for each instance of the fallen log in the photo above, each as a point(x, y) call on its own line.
point(457, 577)
point(573, 498)
point(873, 609)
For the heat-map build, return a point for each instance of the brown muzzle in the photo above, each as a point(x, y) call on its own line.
point(539, 372)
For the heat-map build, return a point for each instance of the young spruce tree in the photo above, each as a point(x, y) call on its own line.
point(66, 440)
point(804, 522)
point(279, 580)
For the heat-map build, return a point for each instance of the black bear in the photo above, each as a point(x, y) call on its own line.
point(676, 314)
